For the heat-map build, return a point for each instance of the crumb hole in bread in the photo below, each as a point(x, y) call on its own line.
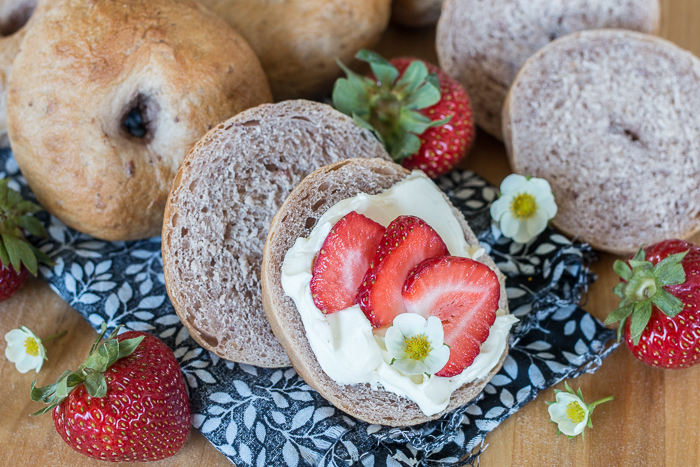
point(250, 123)
point(271, 168)
point(385, 171)
point(299, 117)
point(322, 187)
point(339, 166)
point(620, 129)
point(184, 232)
point(139, 119)
point(15, 14)
point(310, 222)
point(317, 204)
point(173, 220)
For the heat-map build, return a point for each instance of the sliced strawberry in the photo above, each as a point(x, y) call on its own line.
point(343, 260)
point(407, 241)
point(464, 294)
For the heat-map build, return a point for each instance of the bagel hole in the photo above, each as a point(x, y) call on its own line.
point(15, 14)
point(139, 119)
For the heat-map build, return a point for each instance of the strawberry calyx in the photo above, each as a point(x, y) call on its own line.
point(641, 287)
point(16, 218)
point(387, 105)
point(91, 372)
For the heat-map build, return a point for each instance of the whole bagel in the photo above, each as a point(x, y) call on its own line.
point(298, 41)
point(14, 16)
point(106, 98)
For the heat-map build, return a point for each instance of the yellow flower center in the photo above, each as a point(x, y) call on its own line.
point(418, 347)
point(32, 346)
point(523, 206)
point(575, 412)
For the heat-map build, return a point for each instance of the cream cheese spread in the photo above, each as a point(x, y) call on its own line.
point(343, 342)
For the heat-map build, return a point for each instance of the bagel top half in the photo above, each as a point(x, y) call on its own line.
point(107, 97)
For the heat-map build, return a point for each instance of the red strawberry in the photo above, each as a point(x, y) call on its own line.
point(422, 116)
point(660, 290)
point(343, 260)
point(407, 241)
point(17, 255)
point(464, 294)
point(128, 402)
point(11, 281)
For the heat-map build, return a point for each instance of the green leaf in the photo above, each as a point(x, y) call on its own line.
point(425, 96)
point(362, 123)
point(11, 244)
point(27, 257)
point(128, 346)
point(350, 96)
point(44, 410)
point(4, 256)
point(103, 331)
point(620, 314)
point(670, 270)
point(640, 264)
point(433, 80)
point(619, 289)
point(622, 269)
point(640, 318)
point(639, 255)
point(620, 329)
point(407, 145)
point(414, 122)
point(667, 303)
point(27, 207)
point(40, 256)
point(96, 385)
point(32, 225)
point(413, 77)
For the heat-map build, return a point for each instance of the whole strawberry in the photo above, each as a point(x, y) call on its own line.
point(17, 255)
point(660, 306)
point(421, 115)
point(128, 402)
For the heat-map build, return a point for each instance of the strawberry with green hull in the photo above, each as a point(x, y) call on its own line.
point(128, 402)
point(17, 255)
point(660, 308)
point(421, 115)
point(343, 261)
point(464, 295)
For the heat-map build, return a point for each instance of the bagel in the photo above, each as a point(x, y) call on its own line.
point(107, 97)
point(296, 218)
point(298, 41)
point(14, 16)
point(609, 118)
point(219, 210)
point(483, 43)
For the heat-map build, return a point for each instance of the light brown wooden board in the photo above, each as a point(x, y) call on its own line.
point(654, 420)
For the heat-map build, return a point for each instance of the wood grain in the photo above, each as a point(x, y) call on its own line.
point(654, 419)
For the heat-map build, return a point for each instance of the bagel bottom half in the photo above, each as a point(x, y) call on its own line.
point(296, 218)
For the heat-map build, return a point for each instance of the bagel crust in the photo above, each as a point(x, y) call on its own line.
point(85, 68)
point(296, 218)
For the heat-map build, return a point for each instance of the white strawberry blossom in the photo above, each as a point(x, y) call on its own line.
point(571, 414)
point(416, 344)
point(524, 208)
point(25, 350)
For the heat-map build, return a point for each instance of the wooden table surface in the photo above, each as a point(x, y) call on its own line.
point(654, 419)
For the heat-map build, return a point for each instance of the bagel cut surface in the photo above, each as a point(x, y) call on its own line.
point(107, 97)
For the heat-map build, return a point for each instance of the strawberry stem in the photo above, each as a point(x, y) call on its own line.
point(58, 334)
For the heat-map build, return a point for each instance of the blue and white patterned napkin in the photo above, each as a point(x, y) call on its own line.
point(262, 417)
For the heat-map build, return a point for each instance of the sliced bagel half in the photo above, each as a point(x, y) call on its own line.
point(296, 218)
point(220, 207)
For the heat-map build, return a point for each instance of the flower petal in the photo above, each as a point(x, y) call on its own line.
point(512, 182)
point(410, 324)
point(536, 225)
point(501, 206)
point(16, 335)
point(437, 359)
point(547, 205)
point(395, 343)
point(29, 363)
point(538, 186)
point(410, 367)
point(434, 332)
point(509, 225)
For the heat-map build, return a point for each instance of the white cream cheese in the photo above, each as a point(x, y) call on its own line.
point(343, 341)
